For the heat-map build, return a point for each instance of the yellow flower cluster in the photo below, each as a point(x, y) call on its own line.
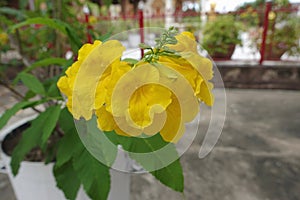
point(144, 99)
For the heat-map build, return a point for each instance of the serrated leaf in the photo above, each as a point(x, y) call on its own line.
point(70, 142)
point(66, 179)
point(68, 148)
point(50, 153)
point(66, 121)
point(171, 174)
point(93, 175)
point(99, 145)
point(50, 124)
point(31, 138)
point(32, 83)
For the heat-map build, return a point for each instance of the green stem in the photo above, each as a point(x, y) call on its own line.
point(18, 94)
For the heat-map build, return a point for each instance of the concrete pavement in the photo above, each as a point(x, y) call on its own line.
point(256, 158)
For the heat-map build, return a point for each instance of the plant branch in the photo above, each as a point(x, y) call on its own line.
point(17, 93)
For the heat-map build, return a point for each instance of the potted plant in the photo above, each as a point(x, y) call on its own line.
point(283, 38)
point(220, 36)
point(283, 29)
point(41, 43)
point(82, 159)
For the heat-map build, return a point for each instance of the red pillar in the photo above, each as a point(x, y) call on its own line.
point(141, 24)
point(265, 31)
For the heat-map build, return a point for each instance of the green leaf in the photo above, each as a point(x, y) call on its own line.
point(66, 121)
point(66, 179)
point(53, 23)
point(144, 46)
point(105, 36)
point(50, 124)
point(70, 143)
point(43, 63)
point(131, 61)
point(31, 138)
point(50, 152)
point(29, 94)
point(171, 175)
point(12, 11)
point(93, 175)
point(68, 64)
point(73, 37)
point(46, 62)
point(99, 145)
point(13, 110)
point(53, 90)
point(68, 147)
point(32, 83)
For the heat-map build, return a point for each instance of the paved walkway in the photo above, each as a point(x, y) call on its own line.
point(256, 158)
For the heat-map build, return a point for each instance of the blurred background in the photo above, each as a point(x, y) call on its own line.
point(255, 45)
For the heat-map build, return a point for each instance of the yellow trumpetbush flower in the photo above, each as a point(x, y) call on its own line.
point(186, 41)
point(142, 104)
point(89, 76)
point(144, 99)
point(66, 83)
point(108, 81)
point(174, 126)
point(136, 99)
point(197, 69)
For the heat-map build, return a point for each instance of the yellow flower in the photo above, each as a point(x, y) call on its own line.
point(66, 83)
point(195, 68)
point(186, 41)
point(133, 100)
point(3, 38)
point(82, 78)
point(142, 100)
point(92, 19)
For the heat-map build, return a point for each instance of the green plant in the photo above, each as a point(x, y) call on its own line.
point(221, 35)
point(283, 31)
point(53, 130)
point(74, 164)
point(283, 37)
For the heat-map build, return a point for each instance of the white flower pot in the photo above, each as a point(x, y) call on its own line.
point(35, 180)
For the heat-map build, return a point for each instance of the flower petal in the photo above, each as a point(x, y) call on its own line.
point(89, 75)
point(148, 97)
point(173, 128)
